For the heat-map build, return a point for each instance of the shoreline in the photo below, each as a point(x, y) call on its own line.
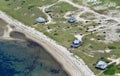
point(70, 64)
point(47, 49)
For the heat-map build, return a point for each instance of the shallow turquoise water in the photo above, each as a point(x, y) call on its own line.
point(27, 59)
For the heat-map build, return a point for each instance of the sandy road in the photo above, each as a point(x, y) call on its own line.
point(43, 8)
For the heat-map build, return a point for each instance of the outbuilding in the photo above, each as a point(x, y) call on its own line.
point(102, 65)
point(76, 43)
point(71, 20)
point(40, 20)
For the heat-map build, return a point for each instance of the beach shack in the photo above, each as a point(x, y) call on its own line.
point(102, 65)
point(76, 43)
point(71, 20)
point(40, 20)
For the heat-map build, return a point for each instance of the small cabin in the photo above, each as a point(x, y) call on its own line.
point(40, 20)
point(71, 20)
point(102, 65)
point(76, 43)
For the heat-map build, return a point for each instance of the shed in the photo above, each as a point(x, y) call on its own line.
point(71, 20)
point(76, 43)
point(102, 65)
point(40, 20)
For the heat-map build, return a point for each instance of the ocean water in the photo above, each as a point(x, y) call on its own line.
point(27, 59)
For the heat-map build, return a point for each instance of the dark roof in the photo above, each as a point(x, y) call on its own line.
point(76, 43)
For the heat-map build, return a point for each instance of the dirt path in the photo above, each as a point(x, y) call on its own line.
point(43, 8)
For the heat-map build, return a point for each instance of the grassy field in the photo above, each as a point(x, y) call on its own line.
point(59, 10)
point(24, 10)
point(63, 32)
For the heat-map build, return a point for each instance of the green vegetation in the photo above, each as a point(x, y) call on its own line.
point(25, 11)
point(62, 8)
point(116, 1)
point(63, 32)
point(88, 16)
point(102, 4)
point(59, 10)
point(118, 31)
point(112, 69)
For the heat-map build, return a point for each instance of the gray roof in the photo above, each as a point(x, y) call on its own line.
point(41, 20)
point(76, 41)
point(101, 65)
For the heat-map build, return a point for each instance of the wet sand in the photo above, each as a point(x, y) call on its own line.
point(20, 34)
point(27, 59)
point(17, 35)
point(1, 31)
point(33, 42)
point(2, 26)
point(2, 22)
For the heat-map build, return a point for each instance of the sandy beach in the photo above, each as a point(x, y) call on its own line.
point(71, 64)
